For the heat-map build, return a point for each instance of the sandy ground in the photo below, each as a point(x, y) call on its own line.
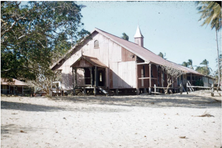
point(109, 122)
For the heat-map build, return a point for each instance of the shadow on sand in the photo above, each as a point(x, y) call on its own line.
point(190, 101)
point(28, 107)
point(9, 129)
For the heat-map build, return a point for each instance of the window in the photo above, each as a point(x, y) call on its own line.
point(100, 77)
point(144, 71)
point(96, 44)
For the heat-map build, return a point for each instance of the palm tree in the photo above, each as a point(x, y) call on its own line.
point(162, 55)
point(205, 63)
point(211, 14)
point(220, 70)
point(185, 64)
point(190, 63)
point(125, 36)
point(204, 69)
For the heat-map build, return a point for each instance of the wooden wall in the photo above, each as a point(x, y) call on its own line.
point(120, 72)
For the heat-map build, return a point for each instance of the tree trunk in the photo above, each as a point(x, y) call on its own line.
point(169, 83)
point(218, 60)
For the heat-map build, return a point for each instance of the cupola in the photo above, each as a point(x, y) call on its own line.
point(138, 37)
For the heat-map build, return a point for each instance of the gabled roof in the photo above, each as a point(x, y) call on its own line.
point(145, 54)
point(91, 60)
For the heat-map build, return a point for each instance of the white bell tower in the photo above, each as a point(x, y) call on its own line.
point(138, 37)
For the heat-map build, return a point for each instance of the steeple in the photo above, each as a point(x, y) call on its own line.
point(138, 37)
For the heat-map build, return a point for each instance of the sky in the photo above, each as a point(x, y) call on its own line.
point(168, 27)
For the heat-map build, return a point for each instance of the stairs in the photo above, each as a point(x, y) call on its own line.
point(190, 86)
point(104, 90)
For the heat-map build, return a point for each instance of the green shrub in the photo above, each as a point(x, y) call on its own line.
point(199, 83)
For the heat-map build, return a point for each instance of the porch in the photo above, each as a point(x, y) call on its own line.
point(150, 75)
point(89, 75)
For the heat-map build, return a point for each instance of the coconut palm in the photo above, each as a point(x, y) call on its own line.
point(185, 64)
point(205, 63)
point(125, 36)
point(204, 69)
point(211, 14)
point(160, 54)
point(190, 63)
point(220, 70)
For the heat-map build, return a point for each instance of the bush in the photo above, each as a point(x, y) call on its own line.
point(199, 83)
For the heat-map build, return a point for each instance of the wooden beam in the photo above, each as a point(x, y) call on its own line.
point(95, 81)
point(137, 84)
point(146, 78)
point(157, 67)
point(84, 76)
point(91, 76)
point(143, 63)
point(191, 79)
point(96, 77)
point(162, 75)
point(75, 76)
point(73, 81)
point(142, 75)
point(150, 77)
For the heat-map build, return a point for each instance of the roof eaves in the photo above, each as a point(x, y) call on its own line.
point(72, 48)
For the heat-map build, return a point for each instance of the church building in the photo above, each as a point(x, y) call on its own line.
point(105, 63)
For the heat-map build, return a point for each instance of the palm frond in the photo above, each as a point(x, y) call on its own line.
point(210, 14)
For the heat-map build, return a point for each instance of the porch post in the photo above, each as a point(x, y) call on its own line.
point(157, 67)
point(84, 76)
point(95, 81)
point(137, 84)
point(150, 76)
point(73, 81)
point(161, 74)
point(191, 79)
point(91, 76)
point(144, 75)
point(74, 72)
point(76, 77)
point(208, 82)
point(22, 90)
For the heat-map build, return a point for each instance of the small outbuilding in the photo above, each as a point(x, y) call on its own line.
point(14, 87)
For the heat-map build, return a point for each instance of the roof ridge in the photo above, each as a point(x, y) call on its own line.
point(126, 40)
point(132, 43)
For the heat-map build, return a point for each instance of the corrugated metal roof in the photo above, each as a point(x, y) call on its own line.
point(144, 53)
point(92, 60)
point(14, 82)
